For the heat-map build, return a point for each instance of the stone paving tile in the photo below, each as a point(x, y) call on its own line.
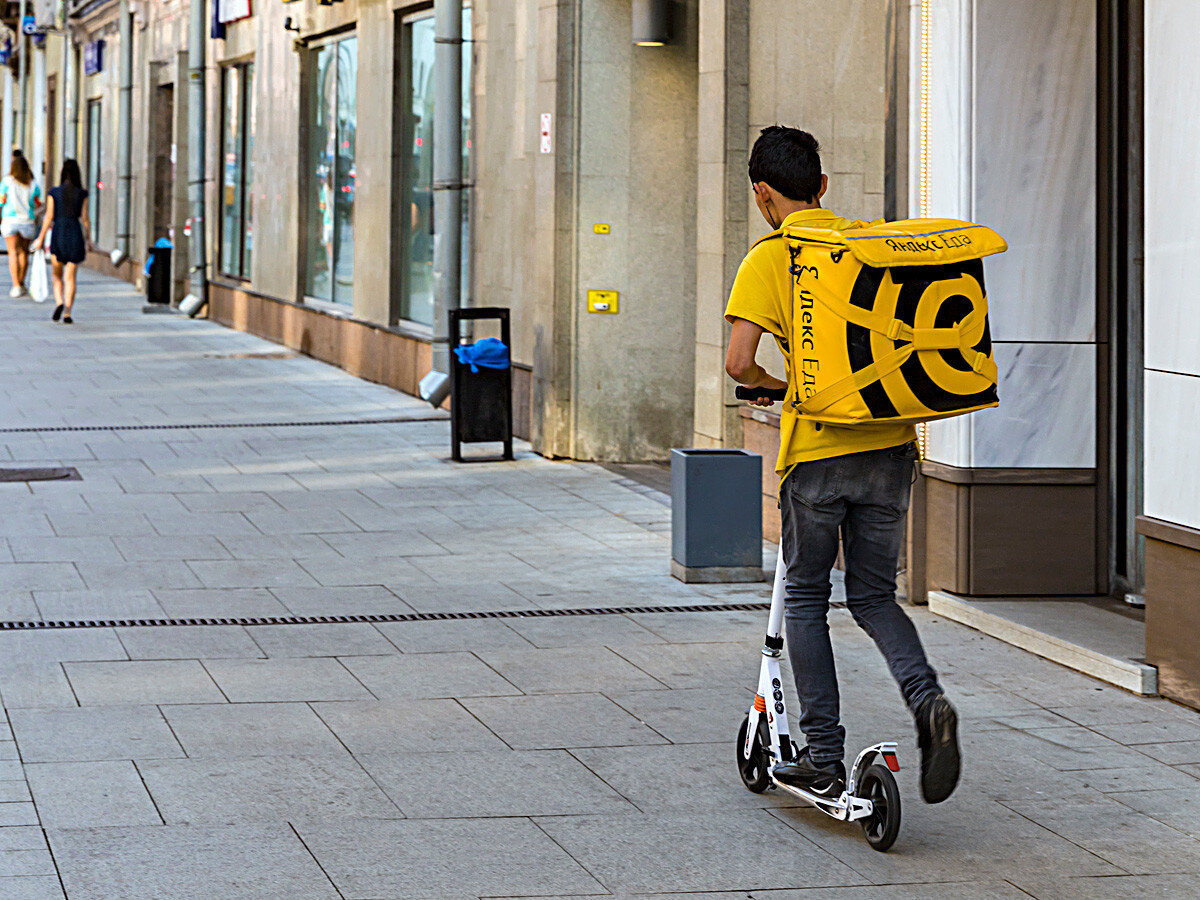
point(90, 795)
point(82, 734)
point(351, 600)
point(431, 859)
point(248, 573)
point(20, 650)
point(388, 571)
point(18, 606)
point(554, 721)
point(113, 603)
point(348, 639)
point(428, 675)
point(17, 813)
point(559, 671)
point(188, 642)
point(63, 549)
point(151, 575)
point(37, 887)
point(244, 862)
point(1178, 807)
point(390, 727)
point(219, 603)
point(242, 730)
point(512, 783)
point(171, 547)
point(49, 576)
point(268, 789)
point(26, 863)
point(698, 665)
point(685, 777)
point(36, 685)
point(427, 596)
point(141, 681)
point(599, 631)
point(686, 716)
point(370, 545)
point(285, 679)
point(440, 636)
point(188, 524)
point(716, 851)
point(1113, 887)
point(1130, 840)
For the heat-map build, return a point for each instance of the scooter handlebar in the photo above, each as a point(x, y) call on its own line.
point(755, 393)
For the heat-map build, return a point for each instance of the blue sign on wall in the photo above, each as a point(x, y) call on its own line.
point(93, 57)
point(29, 25)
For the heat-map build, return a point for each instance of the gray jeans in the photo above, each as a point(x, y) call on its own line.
point(864, 496)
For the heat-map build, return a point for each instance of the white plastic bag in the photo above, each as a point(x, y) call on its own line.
point(39, 279)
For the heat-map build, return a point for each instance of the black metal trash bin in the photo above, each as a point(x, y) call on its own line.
point(158, 275)
point(480, 402)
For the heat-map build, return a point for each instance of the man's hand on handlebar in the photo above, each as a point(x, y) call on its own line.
point(762, 395)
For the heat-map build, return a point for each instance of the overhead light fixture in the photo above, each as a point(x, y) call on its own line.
point(652, 22)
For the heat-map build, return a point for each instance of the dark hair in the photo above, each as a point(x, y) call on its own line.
point(70, 174)
point(20, 170)
point(788, 160)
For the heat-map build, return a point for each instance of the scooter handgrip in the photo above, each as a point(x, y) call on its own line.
point(754, 393)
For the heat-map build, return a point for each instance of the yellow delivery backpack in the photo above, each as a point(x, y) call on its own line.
point(889, 321)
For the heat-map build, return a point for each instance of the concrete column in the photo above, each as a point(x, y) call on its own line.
point(37, 149)
point(722, 208)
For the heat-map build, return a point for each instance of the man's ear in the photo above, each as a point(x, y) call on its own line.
point(824, 186)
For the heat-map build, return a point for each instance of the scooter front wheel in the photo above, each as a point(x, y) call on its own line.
point(755, 771)
point(881, 827)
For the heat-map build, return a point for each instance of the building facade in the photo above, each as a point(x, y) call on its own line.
point(594, 164)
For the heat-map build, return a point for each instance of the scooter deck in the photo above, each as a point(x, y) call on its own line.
point(845, 808)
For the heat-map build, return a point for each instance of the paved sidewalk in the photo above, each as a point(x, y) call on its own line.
point(555, 756)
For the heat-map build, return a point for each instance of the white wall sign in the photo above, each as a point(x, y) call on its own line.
point(232, 10)
point(547, 146)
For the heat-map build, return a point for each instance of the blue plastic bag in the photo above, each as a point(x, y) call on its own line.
point(489, 353)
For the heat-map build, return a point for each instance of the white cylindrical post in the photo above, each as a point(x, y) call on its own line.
point(447, 186)
point(124, 132)
point(197, 147)
point(6, 127)
point(70, 132)
point(23, 87)
point(37, 148)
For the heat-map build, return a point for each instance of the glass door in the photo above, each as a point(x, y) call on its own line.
point(94, 185)
point(333, 125)
point(416, 225)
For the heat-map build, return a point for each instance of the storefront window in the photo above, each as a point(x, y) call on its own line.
point(331, 181)
point(237, 92)
point(417, 225)
point(95, 186)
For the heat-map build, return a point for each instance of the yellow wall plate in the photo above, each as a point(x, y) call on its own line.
point(602, 301)
point(601, 228)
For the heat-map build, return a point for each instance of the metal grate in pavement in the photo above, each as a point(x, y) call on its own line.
point(433, 417)
point(379, 618)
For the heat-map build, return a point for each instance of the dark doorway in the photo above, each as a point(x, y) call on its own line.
point(162, 133)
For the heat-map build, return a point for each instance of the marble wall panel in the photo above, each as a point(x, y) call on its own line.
point(1172, 292)
point(1034, 164)
point(1172, 448)
point(1046, 417)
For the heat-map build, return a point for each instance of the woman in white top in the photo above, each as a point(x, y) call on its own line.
point(20, 200)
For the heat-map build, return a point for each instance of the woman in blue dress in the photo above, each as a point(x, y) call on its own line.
point(67, 223)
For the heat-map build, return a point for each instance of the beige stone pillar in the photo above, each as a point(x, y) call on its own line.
point(722, 207)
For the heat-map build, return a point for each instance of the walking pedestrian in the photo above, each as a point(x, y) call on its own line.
point(20, 201)
point(66, 222)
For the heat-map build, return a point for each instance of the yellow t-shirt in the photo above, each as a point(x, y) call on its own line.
point(762, 294)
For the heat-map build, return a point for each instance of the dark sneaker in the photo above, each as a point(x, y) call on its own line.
point(824, 779)
point(937, 738)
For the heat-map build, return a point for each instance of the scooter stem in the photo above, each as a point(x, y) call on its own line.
point(775, 620)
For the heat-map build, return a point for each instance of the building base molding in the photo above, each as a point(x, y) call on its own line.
point(1007, 532)
point(365, 350)
point(1130, 674)
point(1173, 606)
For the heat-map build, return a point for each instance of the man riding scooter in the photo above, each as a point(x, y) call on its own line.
point(851, 482)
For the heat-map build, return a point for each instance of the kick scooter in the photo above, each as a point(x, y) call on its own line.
point(871, 797)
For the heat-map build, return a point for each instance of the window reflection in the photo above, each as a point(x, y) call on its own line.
point(332, 138)
point(417, 225)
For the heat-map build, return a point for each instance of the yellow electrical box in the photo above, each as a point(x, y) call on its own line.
point(602, 301)
point(601, 228)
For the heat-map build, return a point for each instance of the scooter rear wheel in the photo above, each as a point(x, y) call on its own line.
point(883, 825)
point(755, 771)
